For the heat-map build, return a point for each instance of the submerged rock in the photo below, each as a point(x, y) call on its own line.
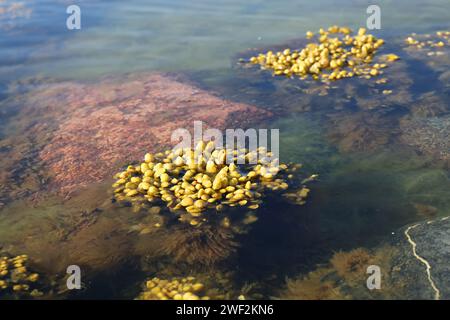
point(422, 262)
point(362, 131)
point(84, 131)
point(413, 265)
point(428, 135)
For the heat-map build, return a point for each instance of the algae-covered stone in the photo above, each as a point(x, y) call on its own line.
point(413, 263)
point(101, 126)
point(422, 264)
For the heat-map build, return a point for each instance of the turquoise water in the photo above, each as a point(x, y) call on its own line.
point(362, 195)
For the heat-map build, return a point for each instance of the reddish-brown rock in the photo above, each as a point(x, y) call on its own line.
point(90, 130)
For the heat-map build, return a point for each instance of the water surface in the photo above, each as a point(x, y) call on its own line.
point(363, 194)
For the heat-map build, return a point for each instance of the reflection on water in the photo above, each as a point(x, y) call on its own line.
point(382, 158)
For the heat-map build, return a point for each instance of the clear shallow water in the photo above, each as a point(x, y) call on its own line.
point(160, 35)
point(361, 197)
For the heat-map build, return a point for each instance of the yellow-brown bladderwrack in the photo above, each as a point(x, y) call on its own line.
point(174, 289)
point(16, 279)
point(337, 55)
point(195, 180)
point(432, 43)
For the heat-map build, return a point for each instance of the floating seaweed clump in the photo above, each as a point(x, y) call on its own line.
point(432, 49)
point(195, 180)
point(174, 289)
point(338, 54)
point(16, 279)
point(429, 41)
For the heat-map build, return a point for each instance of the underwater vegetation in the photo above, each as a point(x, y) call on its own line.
point(351, 265)
point(103, 126)
point(16, 278)
point(402, 261)
point(201, 247)
point(169, 284)
point(194, 202)
point(205, 245)
point(338, 54)
point(311, 287)
point(195, 180)
point(344, 277)
point(284, 96)
point(407, 108)
point(432, 49)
